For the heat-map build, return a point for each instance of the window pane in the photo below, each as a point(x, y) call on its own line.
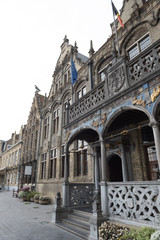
point(102, 76)
point(144, 43)
point(133, 52)
point(83, 91)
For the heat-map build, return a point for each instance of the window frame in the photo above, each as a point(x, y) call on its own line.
point(136, 44)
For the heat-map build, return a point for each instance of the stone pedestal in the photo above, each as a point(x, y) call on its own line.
point(96, 219)
point(58, 212)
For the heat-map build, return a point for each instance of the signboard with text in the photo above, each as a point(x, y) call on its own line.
point(28, 170)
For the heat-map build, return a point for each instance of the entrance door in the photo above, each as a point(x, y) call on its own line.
point(115, 169)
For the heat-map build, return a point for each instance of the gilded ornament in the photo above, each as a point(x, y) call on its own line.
point(139, 102)
point(155, 94)
point(104, 118)
point(124, 132)
point(141, 90)
point(95, 124)
point(67, 135)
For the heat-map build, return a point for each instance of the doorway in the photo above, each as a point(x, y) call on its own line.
point(115, 169)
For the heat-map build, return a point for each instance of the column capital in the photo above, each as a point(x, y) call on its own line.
point(154, 124)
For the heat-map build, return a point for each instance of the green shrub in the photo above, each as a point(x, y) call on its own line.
point(144, 233)
point(31, 194)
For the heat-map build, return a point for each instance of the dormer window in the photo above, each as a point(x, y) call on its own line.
point(139, 46)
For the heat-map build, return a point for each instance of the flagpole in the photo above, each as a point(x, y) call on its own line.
point(115, 30)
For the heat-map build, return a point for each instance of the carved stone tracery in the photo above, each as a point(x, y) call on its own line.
point(81, 194)
point(135, 202)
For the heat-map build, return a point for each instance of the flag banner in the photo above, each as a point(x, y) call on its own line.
point(117, 14)
point(74, 74)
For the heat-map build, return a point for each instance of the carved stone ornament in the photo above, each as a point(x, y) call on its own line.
point(156, 18)
point(95, 123)
point(116, 80)
point(104, 118)
point(139, 102)
point(155, 94)
point(67, 135)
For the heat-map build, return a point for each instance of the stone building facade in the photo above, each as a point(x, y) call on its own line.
point(30, 138)
point(53, 135)
point(119, 118)
point(10, 159)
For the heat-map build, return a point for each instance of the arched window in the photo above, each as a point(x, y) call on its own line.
point(55, 120)
point(46, 125)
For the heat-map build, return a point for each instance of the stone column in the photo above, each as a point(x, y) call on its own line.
point(103, 161)
point(104, 204)
point(155, 127)
point(66, 184)
point(96, 167)
point(90, 73)
point(124, 165)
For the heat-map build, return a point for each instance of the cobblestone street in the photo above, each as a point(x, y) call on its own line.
point(22, 221)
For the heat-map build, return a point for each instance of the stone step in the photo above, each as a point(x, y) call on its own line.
point(80, 232)
point(77, 222)
point(81, 214)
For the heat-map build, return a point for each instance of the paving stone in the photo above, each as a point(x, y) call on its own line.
point(28, 221)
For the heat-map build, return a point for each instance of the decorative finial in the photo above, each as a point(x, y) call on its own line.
point(91, 50)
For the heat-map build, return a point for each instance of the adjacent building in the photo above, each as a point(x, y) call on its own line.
point(10, 159)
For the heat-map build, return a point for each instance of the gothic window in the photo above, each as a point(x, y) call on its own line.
point(102, 76)
point(43, 166)
point(53, 161)
point(153, 163)
point(9, 159)
point(139, 46)
point(46, 126)
point(81, 158)
point(65, 78)
point(67, 103)
point(15, 158)
point(55, 120)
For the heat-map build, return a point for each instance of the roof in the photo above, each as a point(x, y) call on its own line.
point(82, 57)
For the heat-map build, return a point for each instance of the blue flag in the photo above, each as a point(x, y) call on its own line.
point(74, 74)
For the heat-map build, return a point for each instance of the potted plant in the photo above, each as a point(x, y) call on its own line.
point(36, 198)
point(30, 196)
point(43, 199)
point(23, 193)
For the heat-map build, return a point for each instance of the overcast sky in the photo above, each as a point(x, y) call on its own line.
point(31, 32)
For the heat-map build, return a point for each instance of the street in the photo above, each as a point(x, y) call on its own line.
point(28, 221)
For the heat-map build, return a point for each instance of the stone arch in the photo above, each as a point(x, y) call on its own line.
point(128, 131)
point(99, 64)
point(64, 95)
point(156, 109)
point(121, 110)
point(55, 103)
point(77, 132)
point(134, 34)
point(78, 84)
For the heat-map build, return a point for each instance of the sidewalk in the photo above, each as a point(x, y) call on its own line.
point(22, 221)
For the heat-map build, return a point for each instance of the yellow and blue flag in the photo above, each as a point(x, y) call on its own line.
point(74, 74)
